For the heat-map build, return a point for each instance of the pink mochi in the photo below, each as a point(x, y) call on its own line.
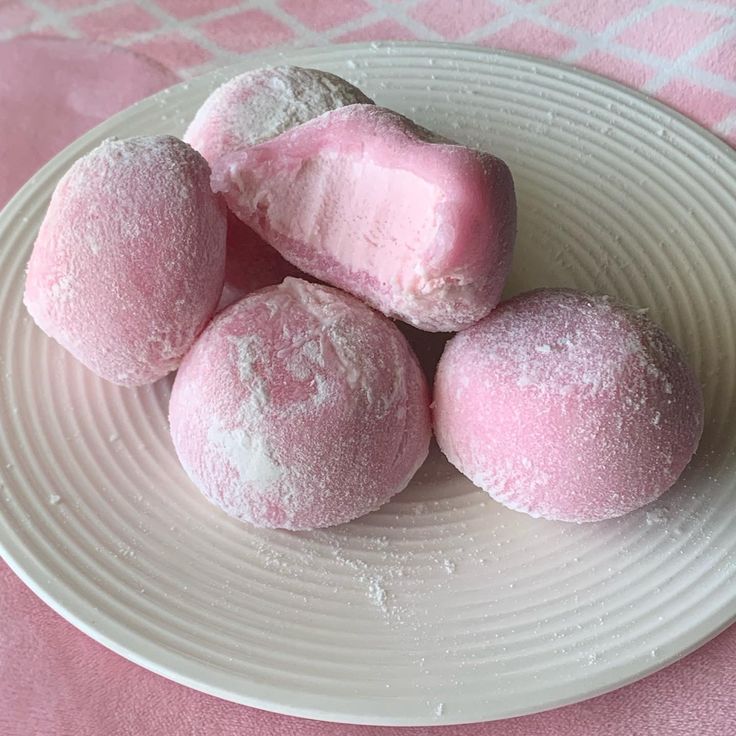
point(362, 198)
point(129, 261)
point(248, 109)
point(567, 406)
point(300, 407)
point(250, 264)
point(263, 103)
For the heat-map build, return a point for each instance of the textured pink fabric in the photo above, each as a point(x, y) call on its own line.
point(454, 18)
point(593, 15)
point(15, 15)
point(55, 681)
point(720, 60)
point(173, 50)
point(112, 23)
point(58, 682)
point(526, 37)
point(627, 71)
point(671, 31)
point(194, 8)
point(632, 41)
point(319, 15)
point(386, 30)
point(250, 30)
point(705, 106)
point(52, 91)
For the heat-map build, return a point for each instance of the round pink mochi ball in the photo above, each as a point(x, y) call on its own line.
point(300, 407)
point(567, 406)
point(129, 261)
point(263, 103)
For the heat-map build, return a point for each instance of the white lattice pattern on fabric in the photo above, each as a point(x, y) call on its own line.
point(681, 51)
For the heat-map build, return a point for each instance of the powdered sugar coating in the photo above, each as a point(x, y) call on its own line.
point(246, 110)
point(567, 406)
point(364, 199)
point(250, 264)
point(129, 261)
point(300, 407)
point(263, 103)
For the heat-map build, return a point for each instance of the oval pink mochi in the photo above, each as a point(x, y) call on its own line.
point(129, 261)
point(300, 407)
point(362, 198)
point(250, 264)
point(567, 406)
point(263, 103)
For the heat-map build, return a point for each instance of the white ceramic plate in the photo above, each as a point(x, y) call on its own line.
point(443, 606)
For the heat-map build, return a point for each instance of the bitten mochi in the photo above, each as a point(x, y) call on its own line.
point(263, 103)
point(420, 228)
point(246, 110)
point(300, 407)
point(129, 261)
point(567, 406)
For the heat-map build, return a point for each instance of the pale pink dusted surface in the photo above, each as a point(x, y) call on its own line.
point(125, 214)
point(52, 91)
point(355, 395)
point(646, 43)
point(567, 406)
point(56, 681)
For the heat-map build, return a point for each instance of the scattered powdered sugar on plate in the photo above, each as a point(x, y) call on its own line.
point(656, 516)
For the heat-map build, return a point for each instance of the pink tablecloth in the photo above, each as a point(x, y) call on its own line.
point(56, 681)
